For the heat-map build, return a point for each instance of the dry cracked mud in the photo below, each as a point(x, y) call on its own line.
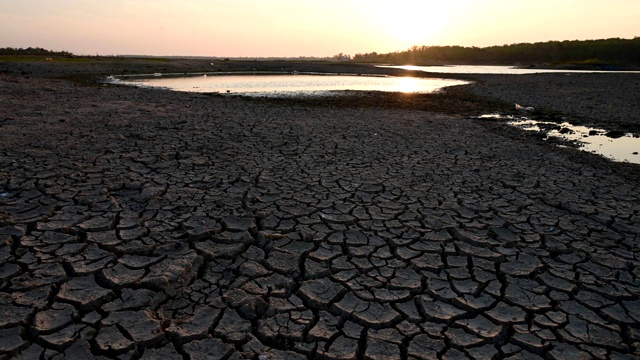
point(146, 224)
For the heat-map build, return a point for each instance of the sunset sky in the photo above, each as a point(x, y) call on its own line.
point(290, 28)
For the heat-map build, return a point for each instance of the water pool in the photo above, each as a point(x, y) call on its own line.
point(290, 84)
point(614, 145)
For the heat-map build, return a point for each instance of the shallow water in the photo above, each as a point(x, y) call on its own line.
point(617, 147)
point(293, 85)
point(492, 69)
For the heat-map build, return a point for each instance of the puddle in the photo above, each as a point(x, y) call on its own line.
point(278, 84)
point(615, 145)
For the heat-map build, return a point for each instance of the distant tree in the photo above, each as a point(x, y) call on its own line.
point(341, 57)
point(32, 51)
point(612, 51)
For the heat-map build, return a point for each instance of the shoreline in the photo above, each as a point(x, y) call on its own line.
point(146, 223)
point(609, 101)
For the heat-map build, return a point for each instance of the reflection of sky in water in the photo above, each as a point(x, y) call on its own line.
point(279, 84)
point(491, 69)
point(623, 149)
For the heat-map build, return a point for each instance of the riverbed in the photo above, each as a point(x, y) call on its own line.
point(145, 223)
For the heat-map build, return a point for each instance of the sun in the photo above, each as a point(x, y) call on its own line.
point(412, 23)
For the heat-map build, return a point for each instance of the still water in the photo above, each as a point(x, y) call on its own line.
point(292, 85)
point(622, 147)
point(492, 69)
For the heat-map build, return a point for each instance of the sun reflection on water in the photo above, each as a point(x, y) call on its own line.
point(408, 85)
point(293, 84)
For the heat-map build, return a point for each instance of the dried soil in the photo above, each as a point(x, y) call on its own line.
point(145, 223)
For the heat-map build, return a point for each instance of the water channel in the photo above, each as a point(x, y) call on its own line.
point(494, 69)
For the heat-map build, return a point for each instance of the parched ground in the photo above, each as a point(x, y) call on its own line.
point(158, 225)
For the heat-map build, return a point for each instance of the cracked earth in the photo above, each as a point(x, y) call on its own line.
point(147, 224)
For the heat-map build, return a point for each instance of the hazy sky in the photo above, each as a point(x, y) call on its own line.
point(303, 27)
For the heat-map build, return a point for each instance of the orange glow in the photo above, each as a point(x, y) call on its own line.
point(409, 23)
point(281, 28)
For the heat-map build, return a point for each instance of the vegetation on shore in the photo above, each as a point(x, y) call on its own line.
point(603, 52)
point(33, 52)
point(613, 51)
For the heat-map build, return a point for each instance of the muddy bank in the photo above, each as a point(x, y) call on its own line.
point(607, 100)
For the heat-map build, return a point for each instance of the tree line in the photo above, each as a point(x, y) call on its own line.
point(32, 51)
point(604, 51)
